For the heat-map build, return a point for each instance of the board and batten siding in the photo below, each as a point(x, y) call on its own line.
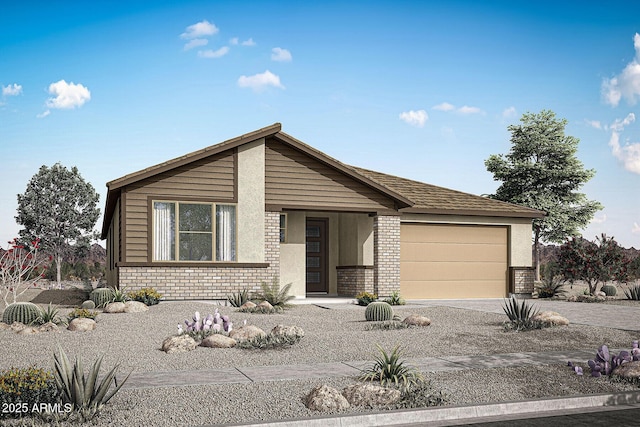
point(210, 179)
point(295, 180)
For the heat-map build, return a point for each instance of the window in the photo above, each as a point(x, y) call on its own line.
point(185, 231)
point(283, 228)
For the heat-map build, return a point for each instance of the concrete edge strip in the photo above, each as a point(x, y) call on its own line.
point(467, 412)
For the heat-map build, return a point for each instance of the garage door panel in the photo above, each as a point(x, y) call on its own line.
point(453, 261)
point(434, 252)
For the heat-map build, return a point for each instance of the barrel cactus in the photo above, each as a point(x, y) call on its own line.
point(101, 296)
point(609, 290)
point(378, 311)
point(23, 312)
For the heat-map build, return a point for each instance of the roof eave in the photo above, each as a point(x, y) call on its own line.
point(478, 212)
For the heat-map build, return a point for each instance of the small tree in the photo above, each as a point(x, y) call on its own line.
point(58, 207)
point(20, 267)
point(593, 262)
point(541, 171)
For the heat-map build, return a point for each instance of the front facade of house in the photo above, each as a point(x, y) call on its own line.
point(266, 206)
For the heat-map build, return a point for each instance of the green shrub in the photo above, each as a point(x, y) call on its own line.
point(378, 311)
point(81, 312)
point(23, 312)
point(101, 296)
point(365, 298)
point(25, 387)
point(238, 298)
point(262, 310)
point(421, 395)
point(275, 295)
point(388, 368)
point(269, 341)
point(386, 326)
point(147, 296)
point(609, 290)
point(86, 393)
point(48, 315)
point(395, 299)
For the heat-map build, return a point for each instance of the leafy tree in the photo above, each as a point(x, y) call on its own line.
point(541, 171)
point(593, 262)
point(58, 207)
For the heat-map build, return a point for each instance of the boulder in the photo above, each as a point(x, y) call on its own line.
point(370, 395)
point(283, 331)
point(17, 326)
point(572, 298)
point(266, 305)
point(135, 307)
point(550, 318)
point(4, 326)
point(114, 307)
point(247, 332)
point(417, 320)
point(628, 371)
point(218, 341)
point(82, 324)
point(247, 305)
point(324, 398)
point(49, 327)
point(28, 330)
point(600, 294)
point(179, 344)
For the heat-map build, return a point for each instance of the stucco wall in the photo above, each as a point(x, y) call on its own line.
point(292, 255)
point(251, 202)
point(519, 232)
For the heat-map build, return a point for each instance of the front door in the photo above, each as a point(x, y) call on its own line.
point(316, 265)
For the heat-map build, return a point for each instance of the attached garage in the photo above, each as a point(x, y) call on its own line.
point(453, 261)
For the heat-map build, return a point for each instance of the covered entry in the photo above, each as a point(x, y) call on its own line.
point(453, 261)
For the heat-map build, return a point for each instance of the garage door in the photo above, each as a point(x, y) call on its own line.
point(453, 261)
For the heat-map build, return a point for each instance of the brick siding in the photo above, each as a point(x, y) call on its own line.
point(522, 280)
point(386, 254)
point(353, 280)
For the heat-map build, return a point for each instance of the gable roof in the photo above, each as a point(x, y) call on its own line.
point(432, 199)
point(410, 196)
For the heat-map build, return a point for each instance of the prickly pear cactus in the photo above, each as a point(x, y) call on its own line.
point(378, 311)
point(23, 312)
point(88, 305)
point(609, 290)
point(101, 296)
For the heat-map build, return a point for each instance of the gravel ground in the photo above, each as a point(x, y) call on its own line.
point(336, 334)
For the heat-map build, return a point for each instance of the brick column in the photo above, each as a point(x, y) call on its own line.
point(522, 281)
point(386, 254)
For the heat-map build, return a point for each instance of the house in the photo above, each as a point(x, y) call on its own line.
point(265, 205)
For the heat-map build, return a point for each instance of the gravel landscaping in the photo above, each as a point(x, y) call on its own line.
point(334, 334)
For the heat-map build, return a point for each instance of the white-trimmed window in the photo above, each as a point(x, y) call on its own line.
point(283, 228)
point(193, 231)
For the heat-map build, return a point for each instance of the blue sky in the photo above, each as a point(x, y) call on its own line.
point(423, 90)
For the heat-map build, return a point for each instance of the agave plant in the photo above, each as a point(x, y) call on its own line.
point(48, 315)
point(238, 298)
point(388, 368)
point(119, 295)
point(86, 394)
point(275, 295)
point(519, 314)
point(633, 293)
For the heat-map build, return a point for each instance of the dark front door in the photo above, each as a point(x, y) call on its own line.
point(317, 280)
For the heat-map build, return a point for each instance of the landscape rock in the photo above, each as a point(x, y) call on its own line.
point(135, 307)
point(49, 327)
point(324, 398)
point(245, 333)
point(417, 320)
point(17, 327)
point(600, 294)
point(28, 330)
point(572, 298)
point(4, 326)
point(218, 341)
point(551, 318)
point(178, 344)
point(247, 305)
point(629, 370)
point(265, 305)
point(370, 395)
point(82, 324)
point(284, 331)
point(114, 307)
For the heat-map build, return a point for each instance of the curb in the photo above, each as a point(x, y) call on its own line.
point(446, 415)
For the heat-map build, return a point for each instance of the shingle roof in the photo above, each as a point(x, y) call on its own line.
point(429, 198)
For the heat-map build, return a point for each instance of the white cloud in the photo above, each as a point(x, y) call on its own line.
point(280, 55)
point(594, 123)
point(636, 228)
point(248, 42)
point(626, 84)
point(11, 90)
point(199, 30)
point(414, 118)
point(599, 220)
point(259, 82)
point(195, 43)
point(445, 106)
point(43, 114)
point(213, 53)
point(627, 154)
point(465, 109)
point(233, 41)
point(509, 113)
point(67, 95)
